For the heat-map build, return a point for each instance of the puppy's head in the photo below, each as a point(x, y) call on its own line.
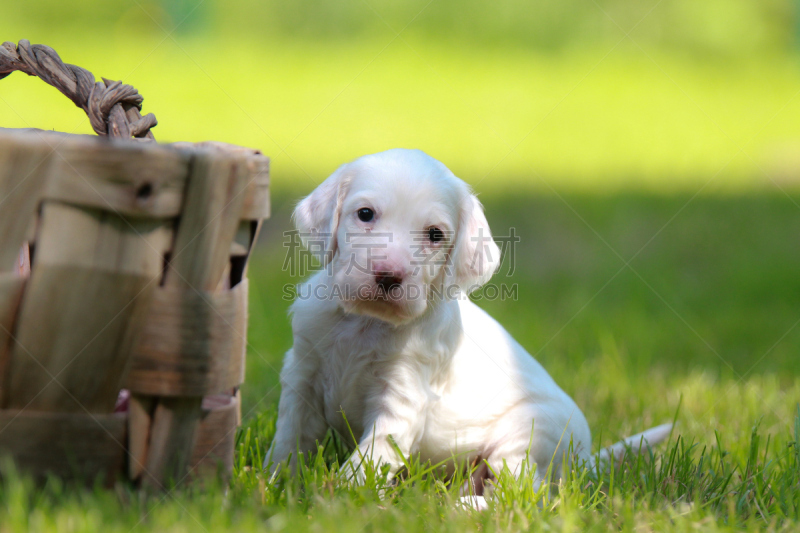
point(399, 230)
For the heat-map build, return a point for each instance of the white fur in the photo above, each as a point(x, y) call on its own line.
point(436, 373)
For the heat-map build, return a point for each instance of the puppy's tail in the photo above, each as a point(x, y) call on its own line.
point(635, 445)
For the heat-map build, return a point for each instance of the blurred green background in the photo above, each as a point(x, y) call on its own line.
point(647, 153)
point(596, 95)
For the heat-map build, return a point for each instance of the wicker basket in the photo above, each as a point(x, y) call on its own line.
point(123, 295)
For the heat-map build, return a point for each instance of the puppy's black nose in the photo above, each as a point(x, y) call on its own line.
point(387, 281)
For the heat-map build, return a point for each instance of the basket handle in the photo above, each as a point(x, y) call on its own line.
point(112, 106)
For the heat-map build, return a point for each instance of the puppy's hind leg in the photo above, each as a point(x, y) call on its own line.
point(481, 486)
point(473, 487)
point(534, 454)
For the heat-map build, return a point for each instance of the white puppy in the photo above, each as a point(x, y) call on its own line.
point(387, 338)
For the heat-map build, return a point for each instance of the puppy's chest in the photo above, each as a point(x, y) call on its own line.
point(349, 372)
point(362, 369)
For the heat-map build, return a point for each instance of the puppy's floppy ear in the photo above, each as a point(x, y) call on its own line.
point(475, 257)
point(316, 217)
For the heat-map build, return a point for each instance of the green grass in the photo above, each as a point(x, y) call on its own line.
point(701, 326)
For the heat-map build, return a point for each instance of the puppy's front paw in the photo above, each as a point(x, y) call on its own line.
point(473, 503)
point(352, 471)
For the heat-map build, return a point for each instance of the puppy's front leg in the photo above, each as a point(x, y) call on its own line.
point(390, 427)
point(301, 422)
point(375, 449)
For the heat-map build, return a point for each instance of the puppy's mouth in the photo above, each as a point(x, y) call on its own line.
point(386, 303)
point(391, 294)
point(393, 297)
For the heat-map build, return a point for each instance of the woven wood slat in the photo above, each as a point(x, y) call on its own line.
point(102, 269)
point(211, 215)
point(136, 180)
point(191, 343)
point(256, 200)
point(11, 289)
point(216, 436)
point(25, 166)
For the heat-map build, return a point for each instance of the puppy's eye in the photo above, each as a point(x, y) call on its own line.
point(435, 235)
point(365, 214)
